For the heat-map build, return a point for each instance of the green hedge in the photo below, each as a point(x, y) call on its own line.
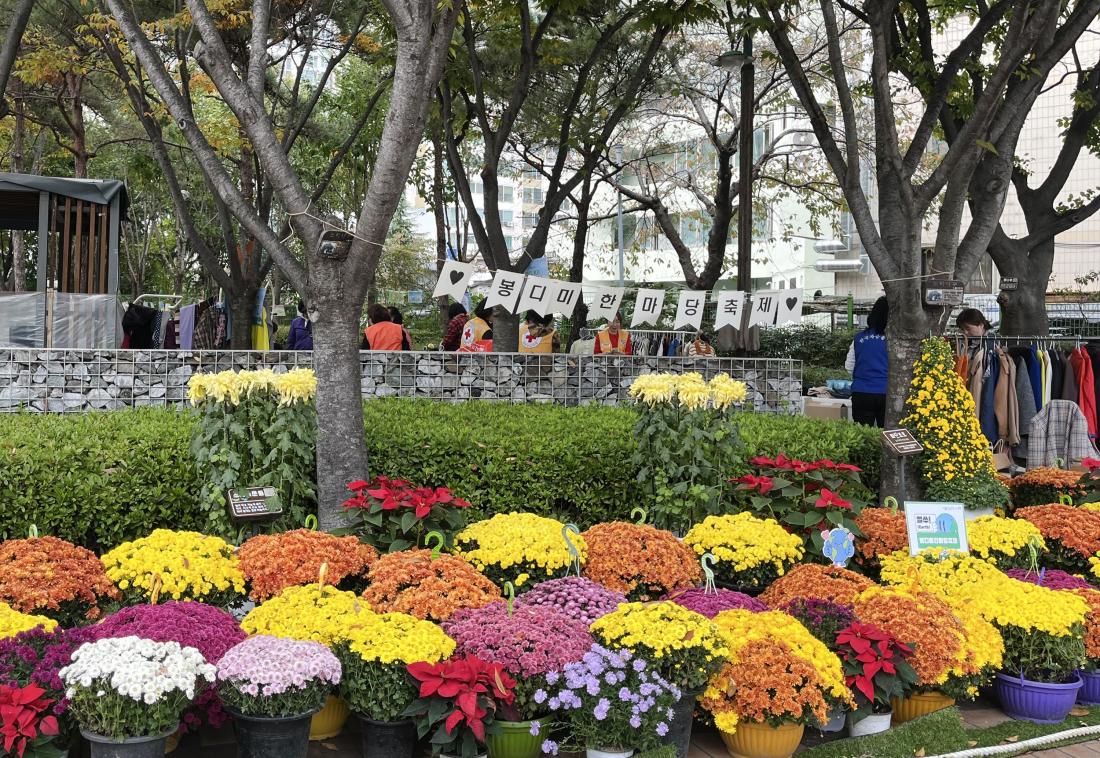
point(102, 478)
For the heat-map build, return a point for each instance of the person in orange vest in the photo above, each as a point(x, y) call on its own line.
point(613, 339)
point(537, 334)
point(477, 335)
point(382, 334)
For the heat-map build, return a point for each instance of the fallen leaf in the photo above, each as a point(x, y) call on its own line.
point(919, 753)
point(1078, 711)
point(1013, 738)
point(329, 746)
point(972, 743)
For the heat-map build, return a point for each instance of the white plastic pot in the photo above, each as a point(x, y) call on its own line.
point(873, 724)
point(607, 753)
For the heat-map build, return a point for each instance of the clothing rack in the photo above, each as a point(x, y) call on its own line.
point(162, 301)
point(590, 333)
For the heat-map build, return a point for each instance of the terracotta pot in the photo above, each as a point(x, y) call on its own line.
point(919, 704)
point(329, 721)
point(752, 740)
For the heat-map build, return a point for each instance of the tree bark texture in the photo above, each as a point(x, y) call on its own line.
point(18, 281)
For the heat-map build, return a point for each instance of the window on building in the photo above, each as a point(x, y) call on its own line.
point(506, 217)
point(476, 187)
point(529, 220)
point(505, 194)
point(794, 284)
point(510, 243)
point(533, 195)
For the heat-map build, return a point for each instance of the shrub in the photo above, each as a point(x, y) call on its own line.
point(100, 479)
point(807, 342)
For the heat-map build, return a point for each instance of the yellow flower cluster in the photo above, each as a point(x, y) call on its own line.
point(397, 638)
point(993, 538)
point(296, 385)
point(1094, 566)
point(184, 565)
point(745, 542)
point(313, 612)
point(940, 413)
point(984, 648)
point(660, 629)
point(12, 622)
point(689, 390)
point(522, 540)
point(937, 571)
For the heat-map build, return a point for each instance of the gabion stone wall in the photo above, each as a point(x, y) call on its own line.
point(89, 380)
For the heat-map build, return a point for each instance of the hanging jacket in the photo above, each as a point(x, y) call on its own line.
point(1006, 404)
point(1057, 376)
point(1070, 389)
point(1059, 431)
point(987, 415)
point(1086, 396)
point(1025, 397)
point(1035, 375)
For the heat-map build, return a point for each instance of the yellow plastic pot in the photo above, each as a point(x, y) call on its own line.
point(919, 704)
point(329, 721)
point(753, 740)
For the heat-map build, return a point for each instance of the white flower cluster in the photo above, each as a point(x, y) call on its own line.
point(139, 669)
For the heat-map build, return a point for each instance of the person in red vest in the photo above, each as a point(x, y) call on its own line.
point(613, 339)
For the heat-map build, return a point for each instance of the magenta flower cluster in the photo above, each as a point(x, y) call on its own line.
point(533, 640)
point(576, 597)
point(210, 630)
point(1052, 579)
point(263, 666)
point(36, 656)
point(710, 604)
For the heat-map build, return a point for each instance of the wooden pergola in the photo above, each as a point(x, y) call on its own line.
point(77, 223)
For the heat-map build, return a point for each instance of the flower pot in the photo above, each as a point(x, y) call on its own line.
point(388, 739)
point(131, 747)
point(271, 737)
point(329, 721)
point(1089, 693)
point(514, 740)
point(608, 753)
point(173, 741)
point(837, 719)
point(1040, 702)
point(753, 740)
point(919, 704)
point(679, 730)
point(872, 724)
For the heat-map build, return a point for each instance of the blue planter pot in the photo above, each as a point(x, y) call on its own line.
point(1038, 702)
point(1090, 689)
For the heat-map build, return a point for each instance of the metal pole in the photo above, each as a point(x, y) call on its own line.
point(622, 253)
point(744, 173)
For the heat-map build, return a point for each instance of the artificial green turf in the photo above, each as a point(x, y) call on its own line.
point(1025, 730)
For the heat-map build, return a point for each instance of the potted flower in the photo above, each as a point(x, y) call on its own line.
point(12, 622)
point(394, 515)
point(883, 533)
point(876, 670)
point(749, 552)
point(530, 642)
point(458, 702)
point(612, 703)
point(1009, 543)
point(576, 597)
point(272, 687)
point(520, 548)
point(683, 646)
point(54, 578)
point(823, 619)
point(773, 655)
point(710, 603)
point(314, 613)
point(128, 694)
point(376, 685)
point(1072, 535)
point(812, 580)
point(639, 560)
point(1047, 484)
point(1089, 693)
point(27, 723)
point(272, 562)
point(414, 582)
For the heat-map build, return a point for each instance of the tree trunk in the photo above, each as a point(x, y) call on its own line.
point(505, 331)
point(75, 84)
point(439, 212)
point(18, 165)
point(341, 454)
point(241, 306)
point(1024, 310)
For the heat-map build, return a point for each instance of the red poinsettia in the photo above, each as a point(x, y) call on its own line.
point(762, 484)
point(22, 719)
point(1090, 463)
point(470, 690)
point(395, 514)
point(875, 665)
point(829, 499)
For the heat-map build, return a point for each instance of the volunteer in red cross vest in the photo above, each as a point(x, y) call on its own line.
point(537, 334)
point(613, 339)
point(477, 335)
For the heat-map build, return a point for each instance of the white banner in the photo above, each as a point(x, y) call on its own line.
point(564, 298)
point(504, 291)
point(605, 303)
point(689, 309)
point(536, 295)
point(764, 306)
point(730, 308)
point(647, 308)
point(790, 307)
point(453, 279)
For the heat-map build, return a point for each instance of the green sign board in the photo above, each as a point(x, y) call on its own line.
point(939, 526)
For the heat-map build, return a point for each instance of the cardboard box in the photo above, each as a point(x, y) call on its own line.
point(818, 407)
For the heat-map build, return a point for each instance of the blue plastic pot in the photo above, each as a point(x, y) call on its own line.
point(1038, 702)
point(1090, 689)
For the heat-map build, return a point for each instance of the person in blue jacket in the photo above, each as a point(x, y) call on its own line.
point(301, 330)
point(870, 366)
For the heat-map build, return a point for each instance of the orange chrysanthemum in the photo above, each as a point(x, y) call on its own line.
point(413, 582)
point(273, 562)
point(1092, 623)
point(883, 533)
point(1045, 485)
point(640, 561)
point(54, 578)
point(1075, 528)
point(812, 580)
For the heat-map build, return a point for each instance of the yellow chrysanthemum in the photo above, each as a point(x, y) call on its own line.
point(180, 565)
point(311, 612)
point(12, 622)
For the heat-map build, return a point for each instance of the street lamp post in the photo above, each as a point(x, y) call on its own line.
point(741, 60)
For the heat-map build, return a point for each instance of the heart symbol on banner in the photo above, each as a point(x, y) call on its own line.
point(456, 277)
point(791, 303)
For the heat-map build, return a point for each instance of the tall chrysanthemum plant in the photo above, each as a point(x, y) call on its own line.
point(255, 429)
point(687, 444)
point(956, 464)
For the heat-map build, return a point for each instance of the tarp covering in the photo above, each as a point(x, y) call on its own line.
point(79, 321)
point(23, 319)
